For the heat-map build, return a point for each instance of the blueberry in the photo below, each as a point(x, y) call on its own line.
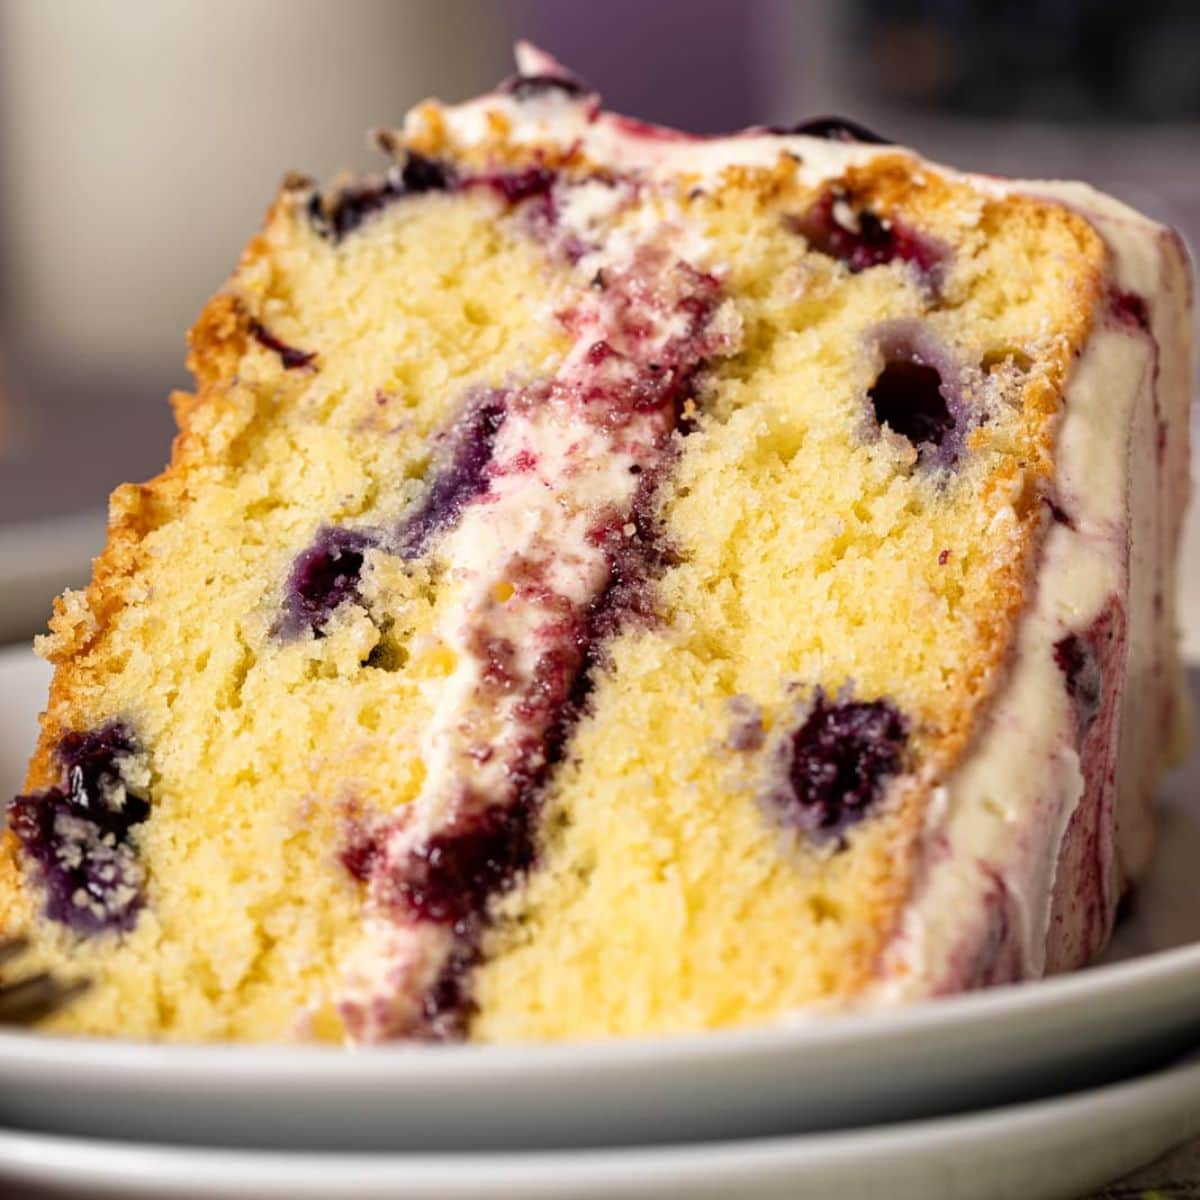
point(838, 762)
point(323, 576)
point(907, 396)
point(345, 211)
point(831, 129)
point(79, 832)
point(917, 396)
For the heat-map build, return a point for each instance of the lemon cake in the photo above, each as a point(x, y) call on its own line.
point(609, 581)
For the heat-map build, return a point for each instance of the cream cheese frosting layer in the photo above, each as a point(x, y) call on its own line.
point(997, 864)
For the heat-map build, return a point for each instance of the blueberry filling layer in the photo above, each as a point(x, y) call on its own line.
point(551, 560)
point(838, 226)
point(79, 833)
point(837, 763)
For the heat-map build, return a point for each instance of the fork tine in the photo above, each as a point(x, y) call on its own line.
point(31, 999)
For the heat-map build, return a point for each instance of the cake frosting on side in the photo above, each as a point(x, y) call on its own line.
point(609, 581)
point(1068, 758)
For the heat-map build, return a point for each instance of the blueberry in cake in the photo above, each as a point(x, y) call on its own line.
point(612, 582)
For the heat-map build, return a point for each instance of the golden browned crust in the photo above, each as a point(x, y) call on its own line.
point(79, 623)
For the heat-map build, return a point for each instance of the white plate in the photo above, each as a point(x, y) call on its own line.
point(1054, 1149)
point(39, 559)
point(949, 1056)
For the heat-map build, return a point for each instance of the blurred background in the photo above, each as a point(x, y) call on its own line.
point(141, 140)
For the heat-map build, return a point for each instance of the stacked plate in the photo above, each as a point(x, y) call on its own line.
point(1041, 1091)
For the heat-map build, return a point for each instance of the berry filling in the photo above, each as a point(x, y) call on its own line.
point(838, 763)
point(80, 832)
point(451, 875)
point(515, 186)
point(839, 227)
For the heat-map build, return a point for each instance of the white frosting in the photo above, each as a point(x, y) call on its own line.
point(1009, 804)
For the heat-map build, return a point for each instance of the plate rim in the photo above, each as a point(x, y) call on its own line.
point(266, 1065)
point(1173, 1084)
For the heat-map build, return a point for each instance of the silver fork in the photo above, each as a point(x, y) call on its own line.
point(27, 1000)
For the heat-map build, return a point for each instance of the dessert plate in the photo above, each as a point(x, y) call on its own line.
point(1042, 1151)
point(962, 1053)
point(40, 559)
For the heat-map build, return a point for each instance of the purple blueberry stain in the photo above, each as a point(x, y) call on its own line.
point(1076, 659)
point(1058, 514)
point(461, 476)
point(1130, 309)
point(831, 129)
point(530, 87)
point(515, 186)
point(79, 833)
point(837, 226)
point(341, 213)
point(836, 765)
point(323, 577)
point(746, 724)
point(448, 1004)
point(916, 394)
point(327, 573)
point(291, 358)
point(452, 875)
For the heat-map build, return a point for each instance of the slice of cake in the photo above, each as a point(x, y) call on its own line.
point(612, 582)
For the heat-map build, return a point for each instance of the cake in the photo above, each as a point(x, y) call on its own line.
point(614, 582)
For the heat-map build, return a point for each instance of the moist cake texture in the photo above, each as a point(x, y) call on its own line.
point(613, 582)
